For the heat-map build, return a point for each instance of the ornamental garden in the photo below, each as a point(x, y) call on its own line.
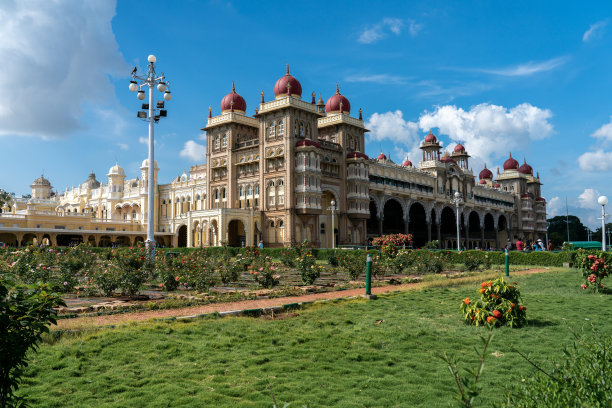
point(411, 347)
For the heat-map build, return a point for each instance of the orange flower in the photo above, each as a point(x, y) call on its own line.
point(522, 308)
point(483, 284)
point(466, 300)
point(512, 305)
point(482, 290)
point(497, 314)
point(491, 319)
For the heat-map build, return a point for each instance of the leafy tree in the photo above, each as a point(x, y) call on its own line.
point(4, 198)
point(597, 233)
point(559, 225)
point(25, 313)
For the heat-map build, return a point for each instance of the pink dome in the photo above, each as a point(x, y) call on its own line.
point(381, 156)
point(526, 169)
point(407, 163)
point(497, 185)
point(485, 174)
point(483, 181)
point(431, 138)
point(511, 164)
point(447, 159)
point(333, 103)
point(233, 101)
point(280, 88)
point(459, 148)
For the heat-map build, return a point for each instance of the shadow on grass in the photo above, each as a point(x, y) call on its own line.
point(541, 323)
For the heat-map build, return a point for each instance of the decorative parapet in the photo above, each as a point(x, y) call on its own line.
point(288, 101)
point(338, 118)
point(229, 117)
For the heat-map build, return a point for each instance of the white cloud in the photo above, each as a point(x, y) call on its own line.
point(123, 146)
point(193, 151)
point(379, 79)
point(604, 132)
point(594, 31)
point(588, 199)
point(392, 126)
point(61, 54)
point(528, 68)
point(490, 130)
point(595, 161)
point(554, 207)
point(393, 25)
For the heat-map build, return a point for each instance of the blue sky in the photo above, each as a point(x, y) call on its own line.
point(529, 78)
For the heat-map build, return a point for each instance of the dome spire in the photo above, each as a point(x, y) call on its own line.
point(288, 69)
point(337, 89)
point(360, 114)
point(262, 96)
point(233, 87)
point(313, 98)
point(209, 111)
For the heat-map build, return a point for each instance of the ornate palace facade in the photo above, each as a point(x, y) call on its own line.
point(277, 176)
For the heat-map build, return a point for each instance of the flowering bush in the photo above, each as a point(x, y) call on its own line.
point(594, 269)
point(263, 272)
point(426, 262)
point(354, 263)
point(499, 305)
point(390, 244)
point(471, 262)
point(308, 268)
point(287, 256)
point(104, 278)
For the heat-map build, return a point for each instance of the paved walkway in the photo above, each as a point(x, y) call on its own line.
point(121, 318)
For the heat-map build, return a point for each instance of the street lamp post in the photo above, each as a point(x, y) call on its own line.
point(332, 208)
point(155, 112)
point(603, 200)
point(457, 200)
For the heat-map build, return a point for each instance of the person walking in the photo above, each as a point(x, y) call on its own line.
point(260, 244)
point(519, 245)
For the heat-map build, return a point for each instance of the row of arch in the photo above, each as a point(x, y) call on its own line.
point(430, 222)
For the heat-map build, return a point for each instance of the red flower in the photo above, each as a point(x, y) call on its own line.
point(497, 314)
point(483, 284)
point(522, 308)
point(512, 305)
point(482, 290)
point(466, 300)
point(491, 319)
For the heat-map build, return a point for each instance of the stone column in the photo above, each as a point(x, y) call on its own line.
point(429, 231)
point(380, 226)
point(439, 234)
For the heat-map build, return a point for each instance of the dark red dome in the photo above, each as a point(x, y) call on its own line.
point(233, 100)
point(459, 148)
point(526, 169)
point(407, 163)
point(540, 199)
point(431, 138)
point(357, 155)
point(307, 142)
point(497, 185)
point(483, 181)
point(511, 164)
point(280, 88)
point(381, 156)
point(527, 195)
point(333, 103)
point(447, 159)
point(485, 174)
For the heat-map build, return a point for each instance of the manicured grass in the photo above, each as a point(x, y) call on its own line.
point(354, 353)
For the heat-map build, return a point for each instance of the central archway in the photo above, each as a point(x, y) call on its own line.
point(418, 225)
point(372, 224)
point(393, 218)
point(473, 231)
point(236, 235)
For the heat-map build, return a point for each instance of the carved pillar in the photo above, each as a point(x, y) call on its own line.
point(380, 225)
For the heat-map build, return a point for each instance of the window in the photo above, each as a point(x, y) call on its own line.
point(224, 140)
point(302, 133)
point(223, 193)
point(242, 191)
point(271, 129)
point(257, 189)
point(281, 128)
point(217, 142)
point(250, 190)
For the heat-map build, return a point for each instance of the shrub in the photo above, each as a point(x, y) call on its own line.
point(353, 263)
point(263, 272)
point(581, 380)
point(105, 279)
point(403, 260)
point(426, 262)
point(392, 243)
point(287, 256)
point(499, 305)
point(432, 244)
point(472, 262)
point(594, 269)
point(332, 259)
point(199, 270)
point(308, 268)
point(25, 313)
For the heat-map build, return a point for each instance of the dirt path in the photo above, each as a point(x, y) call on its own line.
point(121, 318)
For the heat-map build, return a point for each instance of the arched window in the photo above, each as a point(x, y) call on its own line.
point(250, 190)
point(302, 133)
point(217, 142)
point(216, 194)
point(296, 127)
point(281, 128)
point(241, 191)
point(224, 142)
point(271, 224)
point(256, 189)
point(223, 193)
point(271, 129)
point(280, 192)
point(271, 194)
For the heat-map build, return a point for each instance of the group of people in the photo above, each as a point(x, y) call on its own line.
point(528, 246)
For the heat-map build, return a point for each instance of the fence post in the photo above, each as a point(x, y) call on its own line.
point(369, 275)
point(507, 264)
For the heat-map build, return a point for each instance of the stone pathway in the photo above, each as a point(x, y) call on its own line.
point(115, 319)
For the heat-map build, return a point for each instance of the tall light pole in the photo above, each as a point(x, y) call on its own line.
point(332, 208)
point(457, 200)
point(603, 200)
point(138, 82)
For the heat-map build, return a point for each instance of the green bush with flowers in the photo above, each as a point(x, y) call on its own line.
point(263, 272)
point(392, 243)
point(308, 268)
point(595, 267)
point(499, 305)
point(353, 262)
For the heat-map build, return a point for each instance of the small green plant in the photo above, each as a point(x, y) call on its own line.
point(499, 305)
point(353, 263)
point(332, 259)
point(583, 379)
point(432, 244)
point(309, 270)
point(429, 262)
point(472, 262)
point(467, 385)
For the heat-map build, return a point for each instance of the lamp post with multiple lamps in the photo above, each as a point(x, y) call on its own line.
point(332, 208)
point(457, 200)
point(138, 84)
point(603, 200)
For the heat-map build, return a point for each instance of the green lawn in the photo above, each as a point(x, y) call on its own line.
point(334, 354)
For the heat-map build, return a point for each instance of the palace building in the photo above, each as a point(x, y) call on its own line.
point(277, 177)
